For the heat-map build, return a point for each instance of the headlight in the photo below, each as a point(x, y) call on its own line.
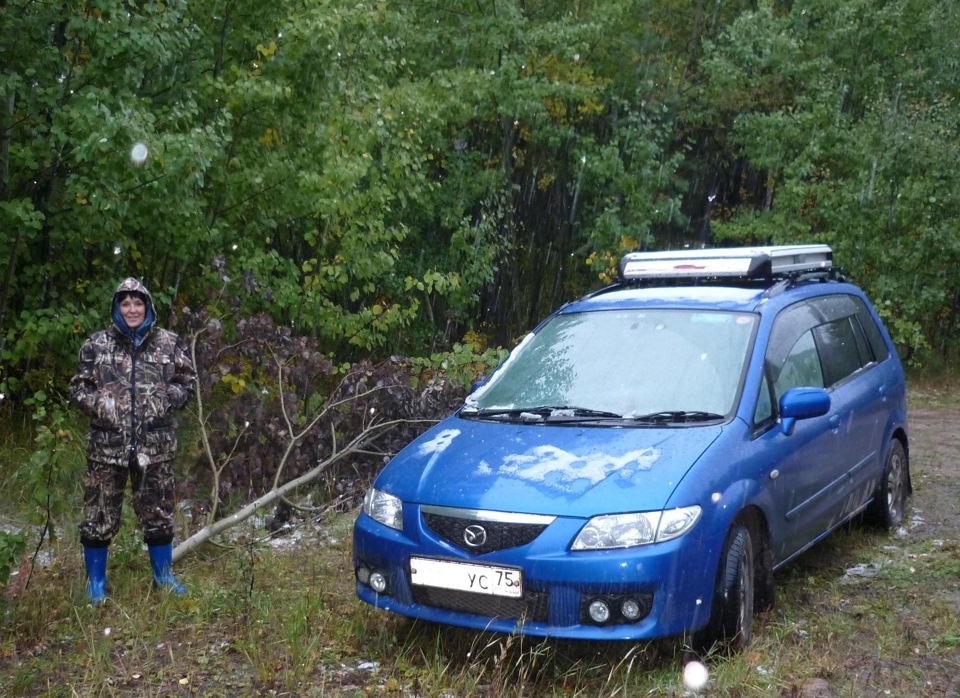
point(675, 522)
point(631, 530)
point(383, 507)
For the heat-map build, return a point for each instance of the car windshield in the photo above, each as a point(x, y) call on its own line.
point(648, 365)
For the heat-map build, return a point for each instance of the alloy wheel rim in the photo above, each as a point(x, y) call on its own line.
point(895, 486)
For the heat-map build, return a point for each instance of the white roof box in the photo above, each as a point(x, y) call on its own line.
point(741, 262)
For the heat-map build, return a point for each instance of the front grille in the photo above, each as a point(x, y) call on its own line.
point(500, 535)
point(533, 606)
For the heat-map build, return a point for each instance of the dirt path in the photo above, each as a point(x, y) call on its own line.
point(935, 468)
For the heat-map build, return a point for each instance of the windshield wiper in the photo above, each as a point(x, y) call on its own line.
point(677, 416)
point(541, 413)
point(568, 414)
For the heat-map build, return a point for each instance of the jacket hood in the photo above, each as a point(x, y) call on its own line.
point(136, 336)
point(540, 469)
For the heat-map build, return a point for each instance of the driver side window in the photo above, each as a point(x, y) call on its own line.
point(792, 360)
point(801, 369)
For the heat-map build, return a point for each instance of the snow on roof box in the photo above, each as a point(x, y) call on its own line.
point(741, 262)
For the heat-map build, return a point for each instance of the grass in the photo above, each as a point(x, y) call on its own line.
point(933, 387)
point(269, 620)
point(266, 621)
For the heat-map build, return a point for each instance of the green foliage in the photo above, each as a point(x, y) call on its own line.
point(42, 489)
point(333, 157)
point(846, 112)
point(12, 546)
point(47, 481)
point(390, 177)
point(49, 337)
point(464, 364)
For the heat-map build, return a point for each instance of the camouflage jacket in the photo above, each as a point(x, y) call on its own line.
point(129, 392)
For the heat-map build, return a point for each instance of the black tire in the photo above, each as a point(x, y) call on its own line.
point(764, 592)
point(891, 497)
point(731, 617)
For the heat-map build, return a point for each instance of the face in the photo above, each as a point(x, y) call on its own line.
point(133, 310)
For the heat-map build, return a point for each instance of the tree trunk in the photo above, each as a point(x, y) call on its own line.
point(206, 533)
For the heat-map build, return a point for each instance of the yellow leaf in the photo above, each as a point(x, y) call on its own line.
point(81, 199)
point(267, 51)
point(270, 136)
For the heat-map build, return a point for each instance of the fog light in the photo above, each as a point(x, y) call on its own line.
point(363, 575)
point(378, 582)
point(599, 611)
point(630, 609)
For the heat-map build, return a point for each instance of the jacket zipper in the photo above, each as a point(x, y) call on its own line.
point(133, 401)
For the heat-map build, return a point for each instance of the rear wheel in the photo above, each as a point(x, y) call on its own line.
point(891, 498)
point(732, 614)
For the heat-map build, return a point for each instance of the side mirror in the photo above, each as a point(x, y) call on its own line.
point(476, 385)
point(802, 403)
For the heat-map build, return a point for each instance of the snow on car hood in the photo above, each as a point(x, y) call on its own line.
point(540, 469)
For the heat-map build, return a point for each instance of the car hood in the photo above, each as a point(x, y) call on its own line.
point(541, 469)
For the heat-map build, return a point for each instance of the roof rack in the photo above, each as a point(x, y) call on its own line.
point(770, 262)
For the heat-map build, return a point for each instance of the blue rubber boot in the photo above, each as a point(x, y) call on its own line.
point(161, 558)
point(95, 561)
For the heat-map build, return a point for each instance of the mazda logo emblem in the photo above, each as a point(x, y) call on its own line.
point(474, 536)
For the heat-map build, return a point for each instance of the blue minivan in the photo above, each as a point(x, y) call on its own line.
point(644, 460)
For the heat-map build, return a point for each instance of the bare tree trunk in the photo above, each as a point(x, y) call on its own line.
point(280, 490)
point(215, 528)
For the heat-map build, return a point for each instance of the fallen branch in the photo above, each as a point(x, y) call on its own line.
point(215, 528)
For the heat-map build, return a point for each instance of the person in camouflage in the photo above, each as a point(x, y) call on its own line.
point(129, 378)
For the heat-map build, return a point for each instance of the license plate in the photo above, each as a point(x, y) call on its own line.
point(463, 576)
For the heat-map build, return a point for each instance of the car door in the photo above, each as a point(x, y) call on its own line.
point(804, 465)
point(857, 397)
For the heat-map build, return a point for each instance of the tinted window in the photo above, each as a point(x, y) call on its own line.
point(836, 307)
point(801, 369)
point(870, 329)
point(839, 351)
point(865, 350)
point(791, 359)
point(833, 308)
point(790, 325)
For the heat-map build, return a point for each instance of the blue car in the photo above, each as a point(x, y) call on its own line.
point(644, 460)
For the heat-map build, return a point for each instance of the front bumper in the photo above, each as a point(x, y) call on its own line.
point(672, 582)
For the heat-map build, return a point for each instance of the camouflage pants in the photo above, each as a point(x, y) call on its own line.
point(104, 488)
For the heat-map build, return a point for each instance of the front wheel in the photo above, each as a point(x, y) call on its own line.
point(891, 497)
point(732, 614)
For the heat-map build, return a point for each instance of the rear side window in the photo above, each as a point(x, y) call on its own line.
point(847, 336)
point(877, 346)
point(840, 351)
